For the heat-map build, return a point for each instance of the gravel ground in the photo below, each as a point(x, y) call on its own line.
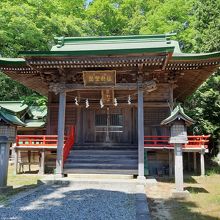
point(81, 202)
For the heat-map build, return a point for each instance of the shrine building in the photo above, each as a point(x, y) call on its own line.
point(107, 97)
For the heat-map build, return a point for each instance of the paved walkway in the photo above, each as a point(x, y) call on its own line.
point(75, 202)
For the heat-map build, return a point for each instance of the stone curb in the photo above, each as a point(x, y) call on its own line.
point(142, 210)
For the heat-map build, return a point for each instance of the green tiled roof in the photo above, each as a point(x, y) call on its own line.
point(9, 117)
point(14, 106)
point(34, 123)
point(38, 111)
point(12, 61)
point(111, 45)
point(119, 45)
point(177, 114)
point(9, 111)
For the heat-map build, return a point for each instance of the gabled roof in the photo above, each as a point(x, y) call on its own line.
point(10, 118)
point(177, 114)
point(9, 112)
point(154, 52)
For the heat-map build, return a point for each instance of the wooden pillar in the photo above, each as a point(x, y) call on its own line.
point(171, 104)
point(49, 130)
point(78, 125)
point(202, 163)
point(29, 160)
point(170, 163)
point(4, 157)
point(178, 167)
point(61, 125)
point(194, 162)
point(140, 132)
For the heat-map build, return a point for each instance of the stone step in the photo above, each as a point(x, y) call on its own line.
point(100, 176)
point(101, 156)
point(102, 161)
point(100, 171)
point(105, 147)
point(101, 166)
point(103, 152)
point(99, 159)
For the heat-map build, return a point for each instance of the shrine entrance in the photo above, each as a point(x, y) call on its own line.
point(108, 125)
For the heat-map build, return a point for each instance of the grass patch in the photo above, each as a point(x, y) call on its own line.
point(213, 170)
point(203, 203)
point(20, 183)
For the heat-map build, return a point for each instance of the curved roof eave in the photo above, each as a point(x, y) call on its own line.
point(194, 57)
point(12, 61)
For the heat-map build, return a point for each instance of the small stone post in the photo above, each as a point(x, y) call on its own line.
point(178, 167)
point(4, 157)
point(178, 121)
point(7, 137)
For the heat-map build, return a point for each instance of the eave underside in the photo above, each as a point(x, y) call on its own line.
point(187, 75)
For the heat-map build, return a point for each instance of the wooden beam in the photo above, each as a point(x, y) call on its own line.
point(57, 87)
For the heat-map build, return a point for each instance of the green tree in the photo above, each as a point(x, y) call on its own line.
point(171, 16)
point(31, 25)
point(204, 104)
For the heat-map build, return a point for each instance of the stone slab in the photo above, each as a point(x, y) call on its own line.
point(180, 194)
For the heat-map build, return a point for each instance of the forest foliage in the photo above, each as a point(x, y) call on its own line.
point(32, 24)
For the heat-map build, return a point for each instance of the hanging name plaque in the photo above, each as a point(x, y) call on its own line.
point(105, 78)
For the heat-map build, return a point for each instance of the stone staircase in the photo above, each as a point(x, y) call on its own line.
point(102, 160)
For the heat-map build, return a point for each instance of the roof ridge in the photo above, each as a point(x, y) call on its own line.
point(141, 36)
point(60, 41)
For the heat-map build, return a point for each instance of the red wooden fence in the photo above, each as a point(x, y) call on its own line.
point(36, 140)
point(47, 140)
point(195, 141)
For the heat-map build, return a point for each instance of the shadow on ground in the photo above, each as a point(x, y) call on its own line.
point(196, 189)
point(63, 202)
point(167, 179)
point(8, 193)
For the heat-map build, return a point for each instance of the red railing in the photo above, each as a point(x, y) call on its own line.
point(69, 143)
point(197, 141)
point(162, 142)
point(157, 142)
point(36, 140)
